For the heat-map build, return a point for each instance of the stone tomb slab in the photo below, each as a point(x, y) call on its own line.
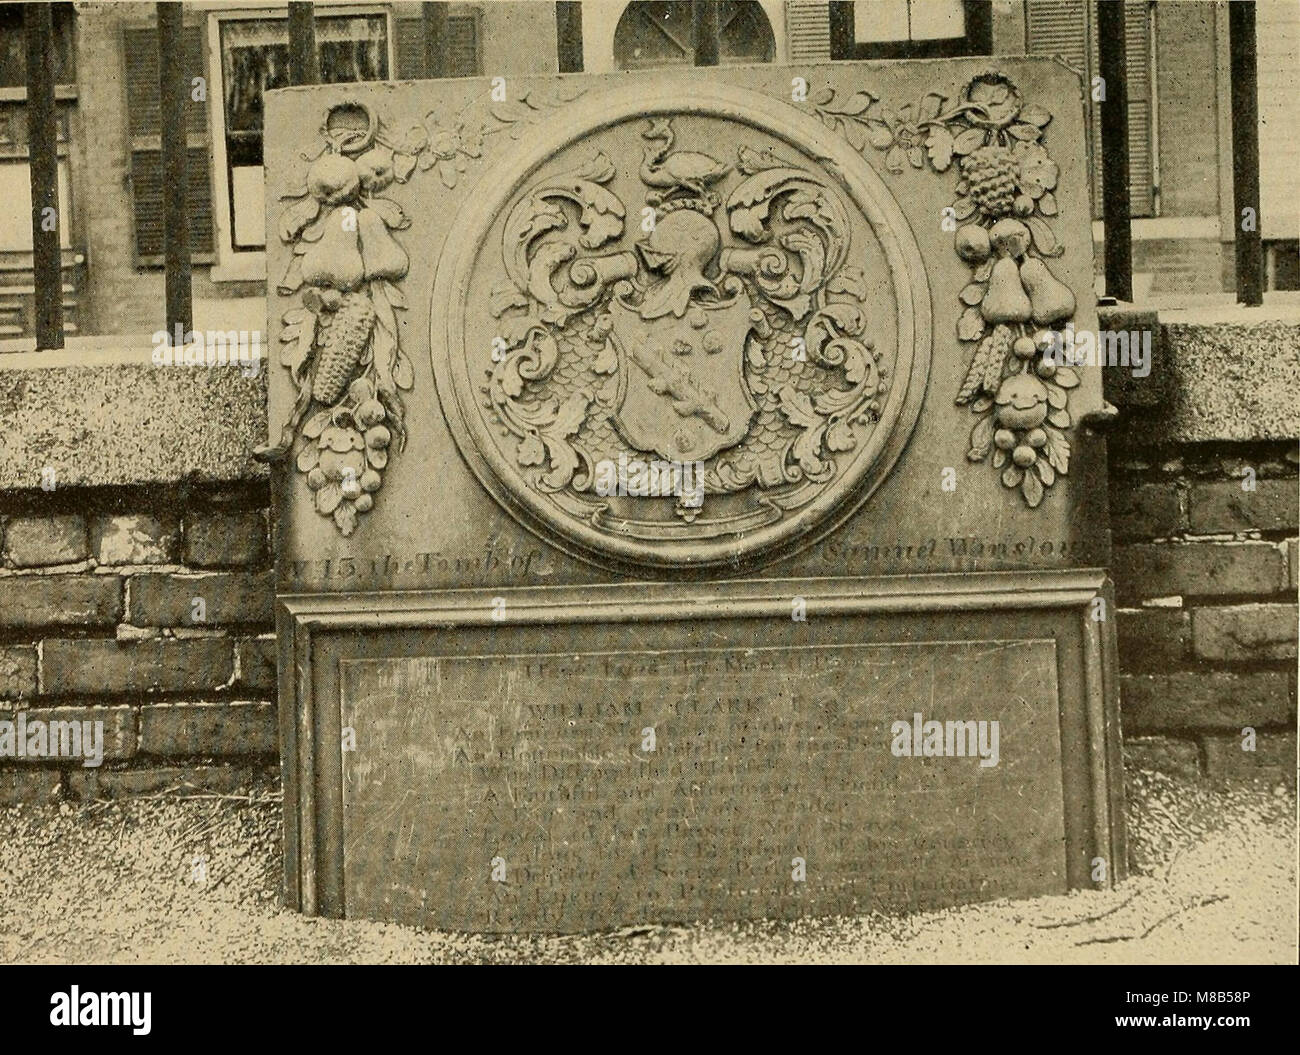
point(522, 792)
point(824, 319)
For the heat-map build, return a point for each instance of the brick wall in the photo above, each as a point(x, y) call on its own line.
point(1205, 571)
point(102, 590)
point(151, 611)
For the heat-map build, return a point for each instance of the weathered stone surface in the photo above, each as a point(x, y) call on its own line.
point(1184, 700)
point(1273, 761)
point(215, 540)
point(701, 825)
point(1165, 754)
point(24, 785)
point(688, 271)
point(95, 668)
point(256, 657)
point(119, 728)
point(1225, 373)
point(208, 729)
point(17, 671)
point(60, 600)
point(1153, 638)
point(220, 598)
point(133, 538)
point(90, 784)
point(41, 541)
point(1224, 506)
point(1153, 510)
point(1245, 633)
point(126, 422)
point(1197, 569)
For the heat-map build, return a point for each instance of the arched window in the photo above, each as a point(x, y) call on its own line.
point(656, 33)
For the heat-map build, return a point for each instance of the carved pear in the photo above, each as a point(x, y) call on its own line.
point(1005, 299)
point(1051, 298)
point(334, 260)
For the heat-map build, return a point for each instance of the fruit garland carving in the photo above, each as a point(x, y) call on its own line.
point(1013, 305)
point(341, 342)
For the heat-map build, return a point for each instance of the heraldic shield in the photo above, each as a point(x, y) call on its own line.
point(682, 383)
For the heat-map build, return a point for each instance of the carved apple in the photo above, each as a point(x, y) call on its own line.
point(1021, 402)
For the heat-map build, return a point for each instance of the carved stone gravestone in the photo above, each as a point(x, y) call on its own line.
point(683, 510)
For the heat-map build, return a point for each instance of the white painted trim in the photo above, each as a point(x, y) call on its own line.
point(249, 265)
point(1158, 227)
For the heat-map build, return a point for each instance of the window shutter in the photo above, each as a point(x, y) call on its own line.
point(1067, 28)
point(809, 28)
point(462, 47)
point(140, 50)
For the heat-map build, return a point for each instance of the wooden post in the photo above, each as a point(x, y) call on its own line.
point(568, 31)
point(1245, 152)
point(43, 152)
point(173, 94)
point(437, 61)
point(1116, 210)
point(304, 64)
point(704, 32)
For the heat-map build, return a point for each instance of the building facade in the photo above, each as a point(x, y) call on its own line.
point(110, 158)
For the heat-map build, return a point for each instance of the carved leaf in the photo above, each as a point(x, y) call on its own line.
point(1035, 115)
point(1046, 471)
point(1065, 377)
point(296, 217)
point(1058, 451)
point(1032, 488)
point(403, 372)
point(981, 439)
point(880, 135)
point(1011, 476)
point(929, 107)
point(390, 212)
point(569, 418)
point(345, 518)
point(969, 140)
point(1044, 240)
point(939, 147)
point(839, 437)
point(1047, 204)
point(1059, 418)
point(531, 450)
point(896, 160)
point(606, 361)
point(970, 327)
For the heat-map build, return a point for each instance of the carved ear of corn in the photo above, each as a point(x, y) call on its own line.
point(343, 347)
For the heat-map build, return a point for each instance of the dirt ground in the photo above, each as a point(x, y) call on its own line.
point(196, 880)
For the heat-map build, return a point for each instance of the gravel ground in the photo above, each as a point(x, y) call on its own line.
point(1214, 882)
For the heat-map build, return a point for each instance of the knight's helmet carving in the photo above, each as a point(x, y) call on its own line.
point(685, 239)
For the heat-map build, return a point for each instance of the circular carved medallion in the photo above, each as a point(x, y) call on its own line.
point(677, 331)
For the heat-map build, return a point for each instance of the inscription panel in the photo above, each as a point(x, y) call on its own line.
point(566, 792)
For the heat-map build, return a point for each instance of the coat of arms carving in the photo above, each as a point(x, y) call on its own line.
point(677, 338)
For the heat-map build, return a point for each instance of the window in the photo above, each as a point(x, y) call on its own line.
point(910, 29)
point(1068, 28)
point(651, 35)
point(254, 58)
